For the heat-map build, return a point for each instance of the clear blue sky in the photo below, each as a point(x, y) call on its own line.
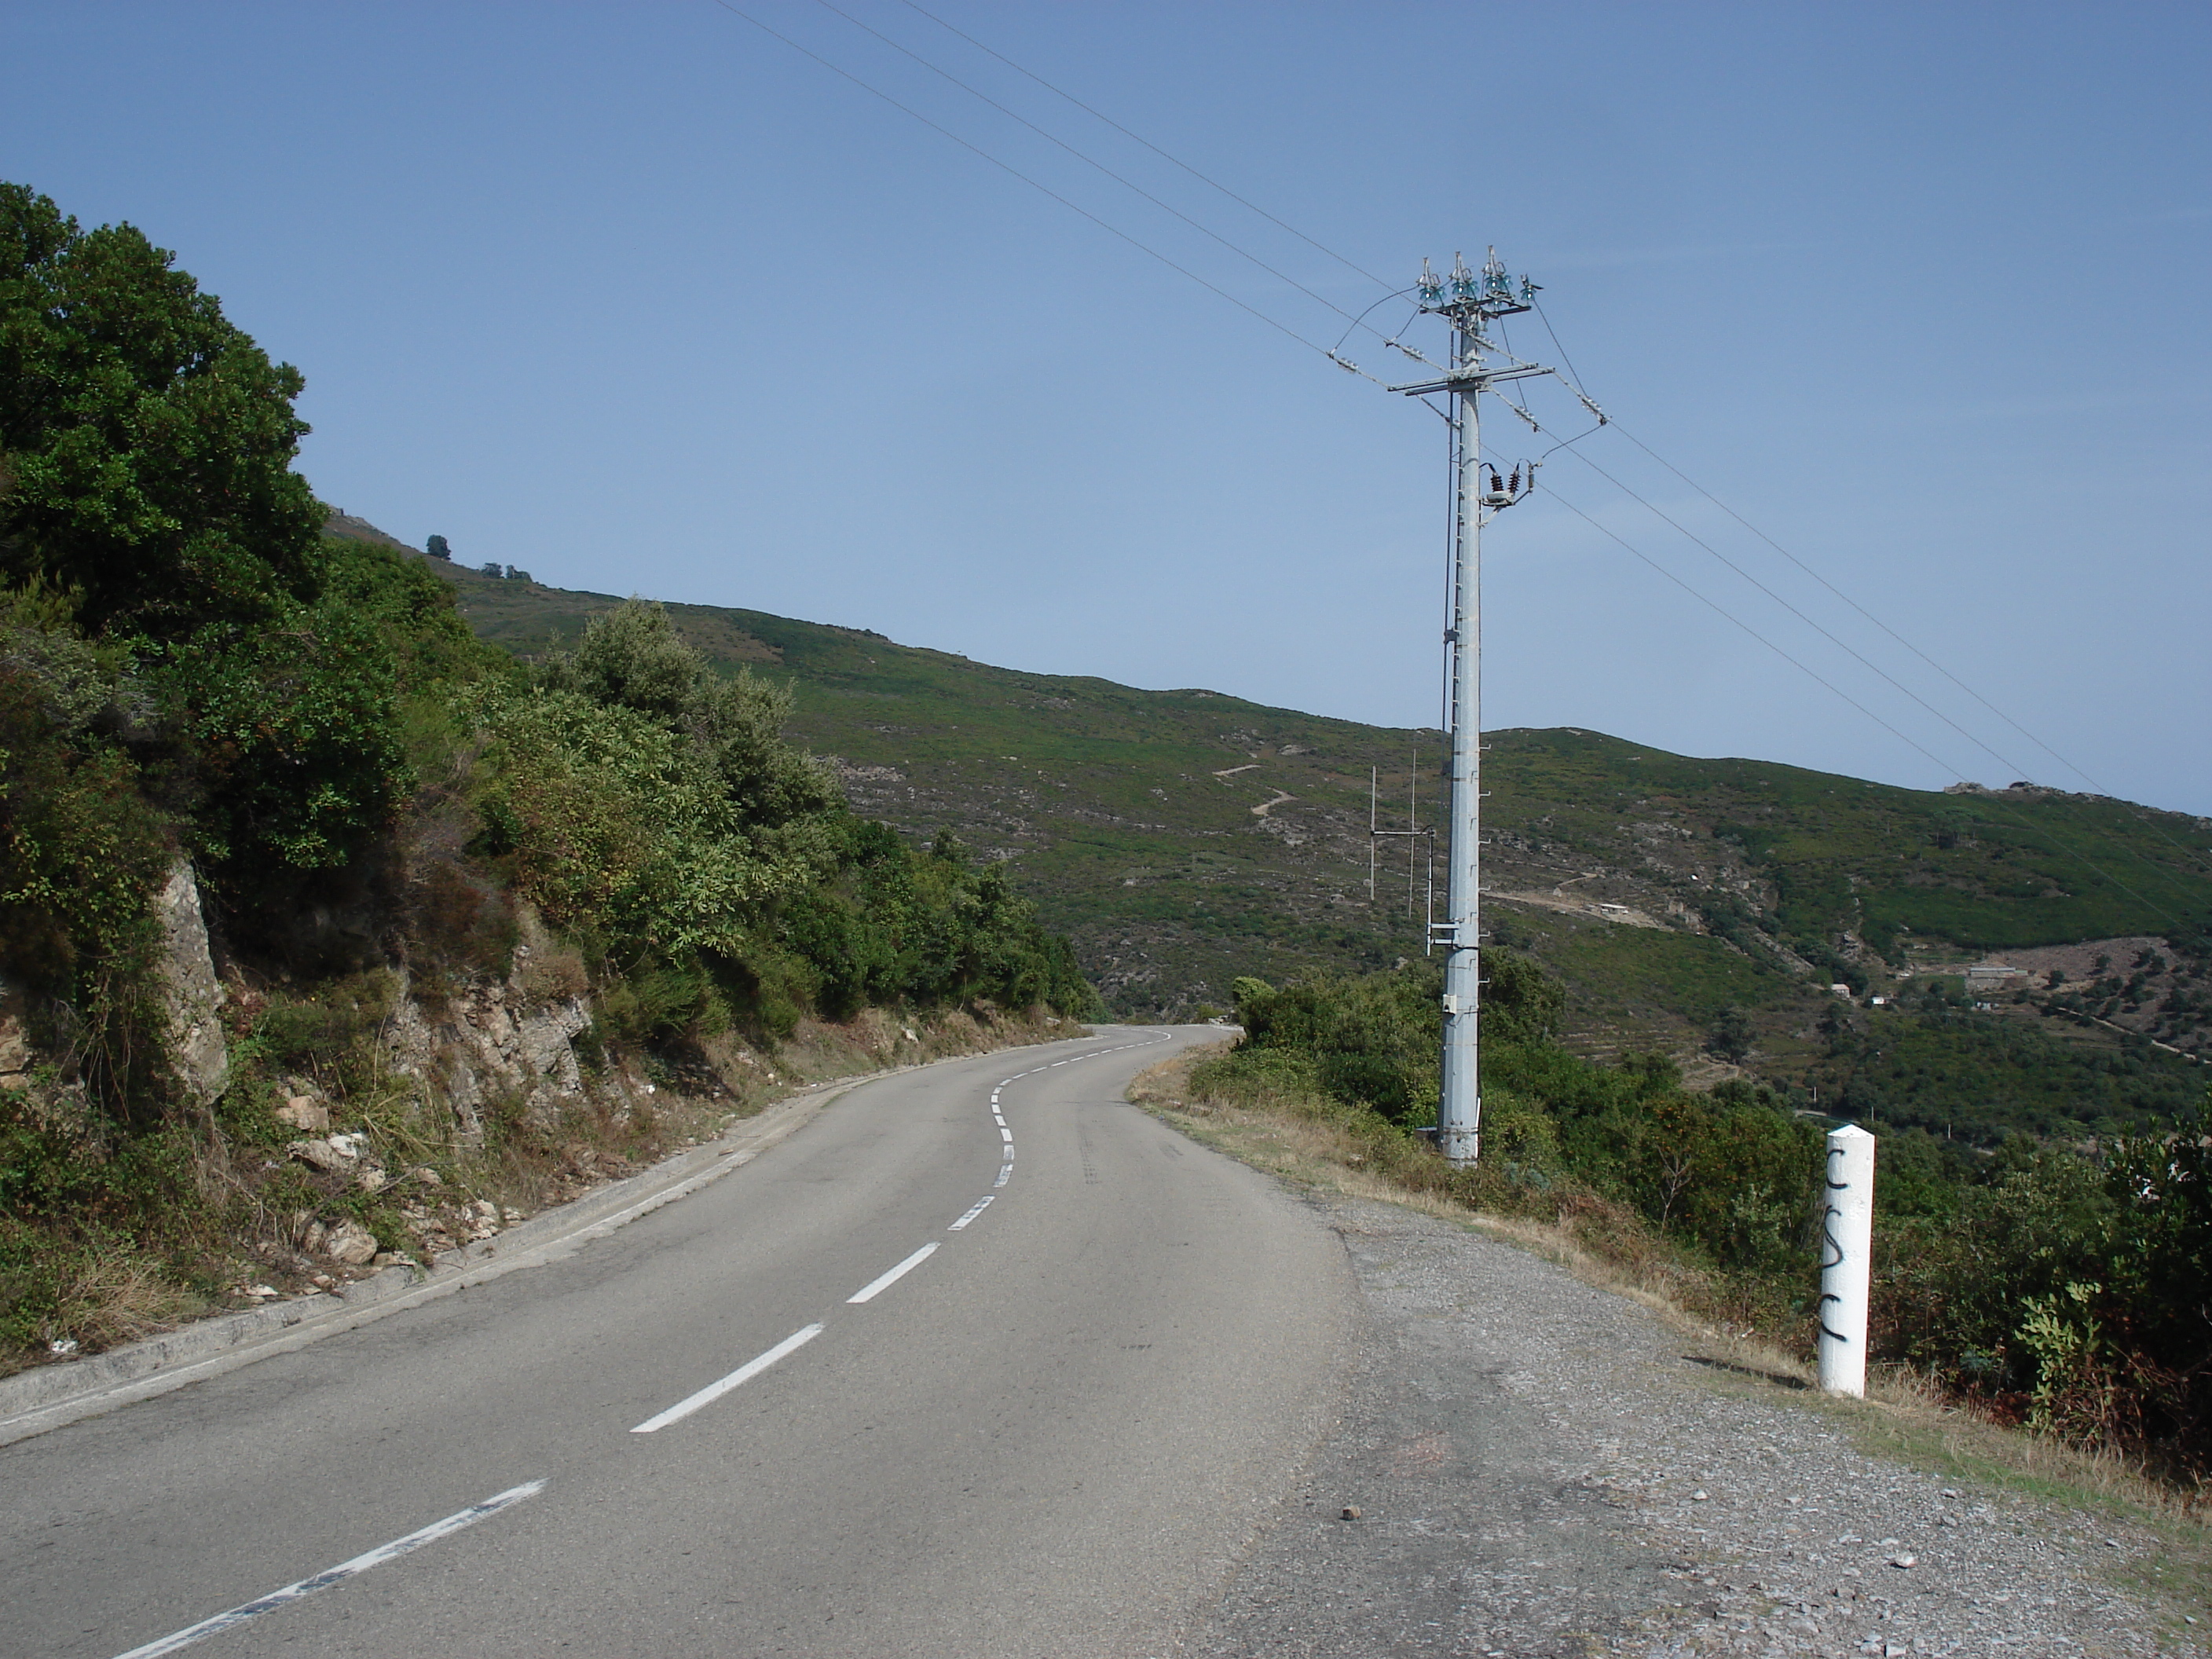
point(639, 298)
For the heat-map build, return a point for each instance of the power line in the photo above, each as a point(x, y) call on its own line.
point(1046, 189)
point(1984, 747)
point(1721, 610)
point(1814, 674)
point(1092, 161)
point(2190, 852)
point(1840, 645)
point(1857, 606)
point(1360, 322)
point(2074, 767)
point(1139, 138)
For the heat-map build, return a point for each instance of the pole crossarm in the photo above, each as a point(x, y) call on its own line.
point(1471, 382)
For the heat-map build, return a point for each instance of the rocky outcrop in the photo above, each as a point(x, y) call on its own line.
point(488, 1042)
point(191, 994)
point(16, 1055)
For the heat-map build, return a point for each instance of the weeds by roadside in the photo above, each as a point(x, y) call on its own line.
point(322, 1163)
point(1306, 1138)
point(1270, 1113)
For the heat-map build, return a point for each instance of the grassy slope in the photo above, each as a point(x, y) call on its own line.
point(1129, 817)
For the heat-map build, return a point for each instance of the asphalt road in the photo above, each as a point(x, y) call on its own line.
point(1050, 1436)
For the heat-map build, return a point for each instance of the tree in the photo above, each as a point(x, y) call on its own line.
point(632, 657)
point(145, 443)
point(145, 480)
point(1730, 1034)
point(438, 548)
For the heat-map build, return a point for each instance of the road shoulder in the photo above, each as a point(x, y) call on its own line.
point(1542, 1466)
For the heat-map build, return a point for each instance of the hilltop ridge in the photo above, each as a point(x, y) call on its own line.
point(1701, 907)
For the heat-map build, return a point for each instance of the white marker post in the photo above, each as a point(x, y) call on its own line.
point(1846, 1261)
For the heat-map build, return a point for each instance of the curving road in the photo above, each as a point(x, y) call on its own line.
point(736, 1427)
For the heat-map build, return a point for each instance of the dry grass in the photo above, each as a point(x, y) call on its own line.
point(1319, 1147)
point(108, 1295)
point(243, 1216)
point(876, 1039)
point(1904, 1417)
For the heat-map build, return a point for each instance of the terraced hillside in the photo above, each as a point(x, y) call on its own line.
point(1705, 907)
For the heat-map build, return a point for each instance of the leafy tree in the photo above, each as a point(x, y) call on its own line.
point(1521, 1003)
point(145, 476)
point(1729, 1035)
point(1731, 1172)
point(637, 796)
point(145, 442)
point(438, 548)
point(608, 819)
point(1376, 1040)
point(633, 658)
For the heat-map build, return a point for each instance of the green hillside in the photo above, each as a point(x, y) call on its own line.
point(1180, 838)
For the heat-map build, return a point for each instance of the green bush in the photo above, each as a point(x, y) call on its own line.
point(635, 798)
point(2065, 1289)
point(632, 657)
point(1371, 1042)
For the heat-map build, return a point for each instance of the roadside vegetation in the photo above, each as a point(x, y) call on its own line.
point(1127, 816)
point(2039, 1283)
point(390, 824)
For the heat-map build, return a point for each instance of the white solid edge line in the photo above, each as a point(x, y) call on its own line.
point(876, 1287)
point(744, 1374)
point(982, 1204)
point(344, 1569)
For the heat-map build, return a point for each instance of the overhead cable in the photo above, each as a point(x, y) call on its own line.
point(1139, 137)
point(1571, 384)
point(1013, 172)
point(2072, 766)
point(2192, 855)
point(1856, 656)
point(1092, 161)
point(1815, 675)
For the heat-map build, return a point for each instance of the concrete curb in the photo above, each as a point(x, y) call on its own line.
point(32, 1402)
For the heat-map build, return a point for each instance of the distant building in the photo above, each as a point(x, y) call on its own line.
point(1986, 976)
point(1840, 989)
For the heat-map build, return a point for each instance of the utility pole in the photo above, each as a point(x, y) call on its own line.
point(1471, 300)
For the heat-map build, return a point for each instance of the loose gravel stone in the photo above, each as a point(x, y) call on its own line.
point(1547, 1469)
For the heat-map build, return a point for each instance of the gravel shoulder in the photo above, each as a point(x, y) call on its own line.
point(1541, 1467)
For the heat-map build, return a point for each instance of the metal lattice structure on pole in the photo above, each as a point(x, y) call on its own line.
point(1471, 300)
point(1420, 843)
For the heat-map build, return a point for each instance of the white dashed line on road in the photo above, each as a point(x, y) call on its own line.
point(979, 1205)
point(876, 1287)
point(337, 1575)
point(738, 1378)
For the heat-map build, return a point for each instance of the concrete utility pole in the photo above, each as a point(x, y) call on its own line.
point(1471, 300)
